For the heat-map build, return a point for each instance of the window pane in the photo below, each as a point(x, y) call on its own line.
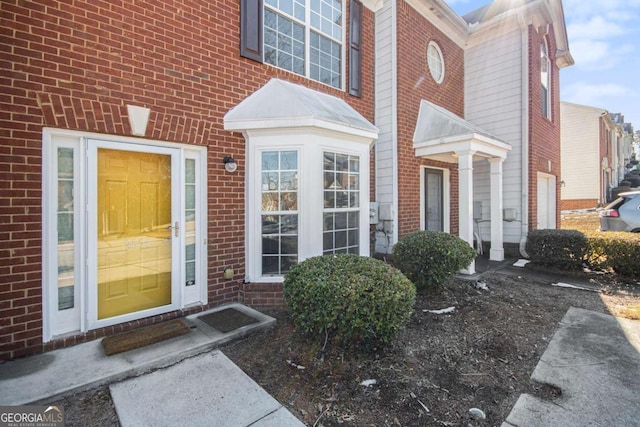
point(270, 181)
point(279, 195)
point(270, 160)
point(289, 160)
point(289, 245)
point(190, 196)
point(327, 241)
point(270, 245)
point(270, 265)
point(65, 163)
point(341, 201)
point(65, 221)
point(286, 23)
point(269, 201)
point(190, 278)
point(288, 201)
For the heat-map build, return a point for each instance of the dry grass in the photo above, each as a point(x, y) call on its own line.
point(581, 221)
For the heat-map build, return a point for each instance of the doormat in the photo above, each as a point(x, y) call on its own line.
point(227, 320)
point(144, 336)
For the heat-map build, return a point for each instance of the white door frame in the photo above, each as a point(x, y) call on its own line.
point(546, 201)
point(83, 315)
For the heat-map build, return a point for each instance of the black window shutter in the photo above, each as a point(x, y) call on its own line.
point(355, 39)
point(251, 15)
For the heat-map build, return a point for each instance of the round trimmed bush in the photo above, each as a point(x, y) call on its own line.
point(430, 258)
point(349, 298)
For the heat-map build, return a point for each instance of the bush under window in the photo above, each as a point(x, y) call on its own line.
point(348, 298)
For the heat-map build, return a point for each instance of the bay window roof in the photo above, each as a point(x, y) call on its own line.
point(281, 104)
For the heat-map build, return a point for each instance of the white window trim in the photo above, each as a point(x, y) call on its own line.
point(310, 144)
point(57, 323)
point(307, 45)
point(436, 46)
point(446, 198)
point(547, 83)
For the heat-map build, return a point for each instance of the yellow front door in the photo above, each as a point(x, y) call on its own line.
point(134, 231)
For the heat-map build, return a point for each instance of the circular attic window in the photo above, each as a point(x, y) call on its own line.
point(435, 61)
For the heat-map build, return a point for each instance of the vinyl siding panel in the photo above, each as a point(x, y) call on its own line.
point(493, 94)
point(384, 104)
point(580, 150)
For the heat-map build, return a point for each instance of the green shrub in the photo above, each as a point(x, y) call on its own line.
point(430, 258)
point(564, 249)
point(569, 249)
point(349, 298)
point(618, 251)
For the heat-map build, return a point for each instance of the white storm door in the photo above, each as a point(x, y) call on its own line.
point(134, 231)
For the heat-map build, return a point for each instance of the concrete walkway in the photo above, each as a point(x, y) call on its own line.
point(206, 390)
point(594, 359)
point(212, 386)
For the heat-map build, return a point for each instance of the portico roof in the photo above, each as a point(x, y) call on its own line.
point(440, 134)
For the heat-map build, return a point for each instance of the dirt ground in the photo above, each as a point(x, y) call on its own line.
point(479, 356)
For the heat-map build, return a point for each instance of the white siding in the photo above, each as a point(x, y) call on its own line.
point(384, 87)
point(493, 101)
point(385, 151)
point(580, 151)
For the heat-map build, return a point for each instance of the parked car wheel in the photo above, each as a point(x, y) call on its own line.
point(623, 214)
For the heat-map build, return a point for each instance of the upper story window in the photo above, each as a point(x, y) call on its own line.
point(305, 37)
point(435, 61)
point(545, 80)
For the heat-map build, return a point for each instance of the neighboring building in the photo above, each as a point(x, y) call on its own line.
point(596, 148)
point(493, 176)
point(165, 157)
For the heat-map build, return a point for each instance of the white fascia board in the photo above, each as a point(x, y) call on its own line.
point(443, 18)
point(298, 122)
point(536, 13)
point(480, 144)
point(287, 132)
point(597, 110)
point(563, 55)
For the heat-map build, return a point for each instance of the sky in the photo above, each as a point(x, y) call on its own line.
point(604, 40)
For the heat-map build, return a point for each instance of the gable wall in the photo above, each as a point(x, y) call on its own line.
point(76, 66)
point(493, 88)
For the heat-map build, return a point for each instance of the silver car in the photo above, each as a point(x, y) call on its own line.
point(623, 214)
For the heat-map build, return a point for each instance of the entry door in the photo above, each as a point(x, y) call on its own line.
point(546, 201)
point(433, 199)
point(136, 232)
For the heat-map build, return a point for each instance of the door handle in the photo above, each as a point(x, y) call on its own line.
point(176, 229)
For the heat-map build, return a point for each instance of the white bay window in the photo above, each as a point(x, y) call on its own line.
point(307, 180)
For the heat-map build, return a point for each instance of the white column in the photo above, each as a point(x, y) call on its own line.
point(497, 240)
point(465, 201)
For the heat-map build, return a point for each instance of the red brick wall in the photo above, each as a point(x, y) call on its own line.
point(414, 84)
point(544, 133)
point(75, 65)
point(579, 204)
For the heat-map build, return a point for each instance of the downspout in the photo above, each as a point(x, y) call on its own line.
point(525, 138)
point(394, 124)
